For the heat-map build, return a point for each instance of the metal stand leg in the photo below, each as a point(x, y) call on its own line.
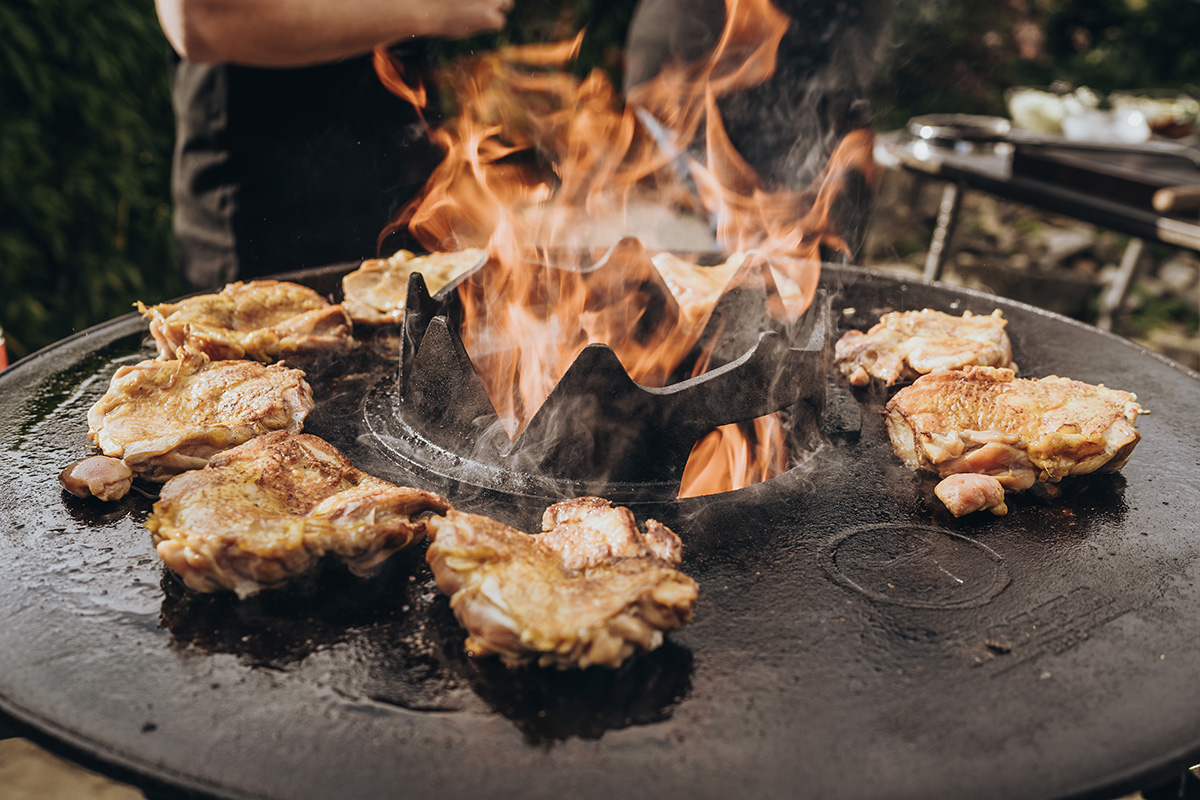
point(1118, 287)
point(947, 218)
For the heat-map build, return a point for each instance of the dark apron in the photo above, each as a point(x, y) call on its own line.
point(280, 169)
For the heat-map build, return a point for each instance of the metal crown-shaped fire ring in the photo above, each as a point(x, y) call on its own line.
point(598, 431)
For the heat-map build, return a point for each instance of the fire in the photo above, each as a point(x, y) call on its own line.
point(736, 456)
point(552, 174)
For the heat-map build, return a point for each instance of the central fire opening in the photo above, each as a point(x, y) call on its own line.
point(598, 430)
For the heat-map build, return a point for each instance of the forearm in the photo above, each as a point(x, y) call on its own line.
point(286, 33)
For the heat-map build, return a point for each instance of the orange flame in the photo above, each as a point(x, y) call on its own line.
point(736, 456)
point(392, 74)
point(549, 172)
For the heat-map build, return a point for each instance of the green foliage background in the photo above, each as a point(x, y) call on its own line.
point(85, 149)
point(958, 56)
point(86, 127)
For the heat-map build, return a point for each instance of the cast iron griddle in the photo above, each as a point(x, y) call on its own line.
point(851, 639)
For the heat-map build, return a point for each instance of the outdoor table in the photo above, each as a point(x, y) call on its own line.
point(1111, 190)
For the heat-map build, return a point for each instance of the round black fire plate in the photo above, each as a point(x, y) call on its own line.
point(852, 639)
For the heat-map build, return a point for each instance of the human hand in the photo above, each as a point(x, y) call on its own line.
point(458, 19)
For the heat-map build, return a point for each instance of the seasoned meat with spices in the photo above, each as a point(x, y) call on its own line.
point(376, 292)
point(271, 509)
point(591, 590)
point(1019, 431)
point(262, 320)
point(165, 417)
point(906, 344)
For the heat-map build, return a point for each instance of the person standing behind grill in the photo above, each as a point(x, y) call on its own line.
point(289, 150)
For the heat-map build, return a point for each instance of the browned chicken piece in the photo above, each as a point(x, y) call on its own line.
point(906, 344)
point(968, 492)
point(261, 320)
point(271, 509)
point(1019, 431)
point(696, 288)
point(101, 477)
point(591, 590)
point(376, 291)
point(165, 417)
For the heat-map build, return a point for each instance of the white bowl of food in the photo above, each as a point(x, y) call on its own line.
point(1043, 110)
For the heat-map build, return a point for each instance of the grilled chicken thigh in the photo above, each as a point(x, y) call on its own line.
point(592, 589)
point(271, 509)
point(377, 291)
point(1017, 431)
point(165, 417)
point(906, 344)
point(262, 320)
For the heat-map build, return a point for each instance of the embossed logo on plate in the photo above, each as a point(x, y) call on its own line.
point(915, 566)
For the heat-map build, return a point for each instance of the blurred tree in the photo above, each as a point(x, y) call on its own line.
point(1124, 44)
point(951, 56)
point(85, 149)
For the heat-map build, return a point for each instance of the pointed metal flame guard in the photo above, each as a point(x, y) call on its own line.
point(599, 431)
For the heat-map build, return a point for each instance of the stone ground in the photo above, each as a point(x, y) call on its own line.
point(27, 772)
point(1002, 248)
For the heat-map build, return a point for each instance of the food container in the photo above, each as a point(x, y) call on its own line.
point(1107, 125)
point(1168, 112)
point(1043, 109)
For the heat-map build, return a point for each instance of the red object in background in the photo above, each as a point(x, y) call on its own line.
point(3, 351)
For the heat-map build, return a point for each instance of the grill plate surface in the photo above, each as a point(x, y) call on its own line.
point(851, 640)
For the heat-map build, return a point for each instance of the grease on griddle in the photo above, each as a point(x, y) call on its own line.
point(392, 639)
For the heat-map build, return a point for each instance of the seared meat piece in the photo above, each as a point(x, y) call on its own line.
point(269, 510)
point(967, 492)
point(592, 589)
point(261, 320)
point(377, 290)
point(1019, 431)
point(696, 288)
point(165, 417)
point(906, 344)
point(97, 476)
